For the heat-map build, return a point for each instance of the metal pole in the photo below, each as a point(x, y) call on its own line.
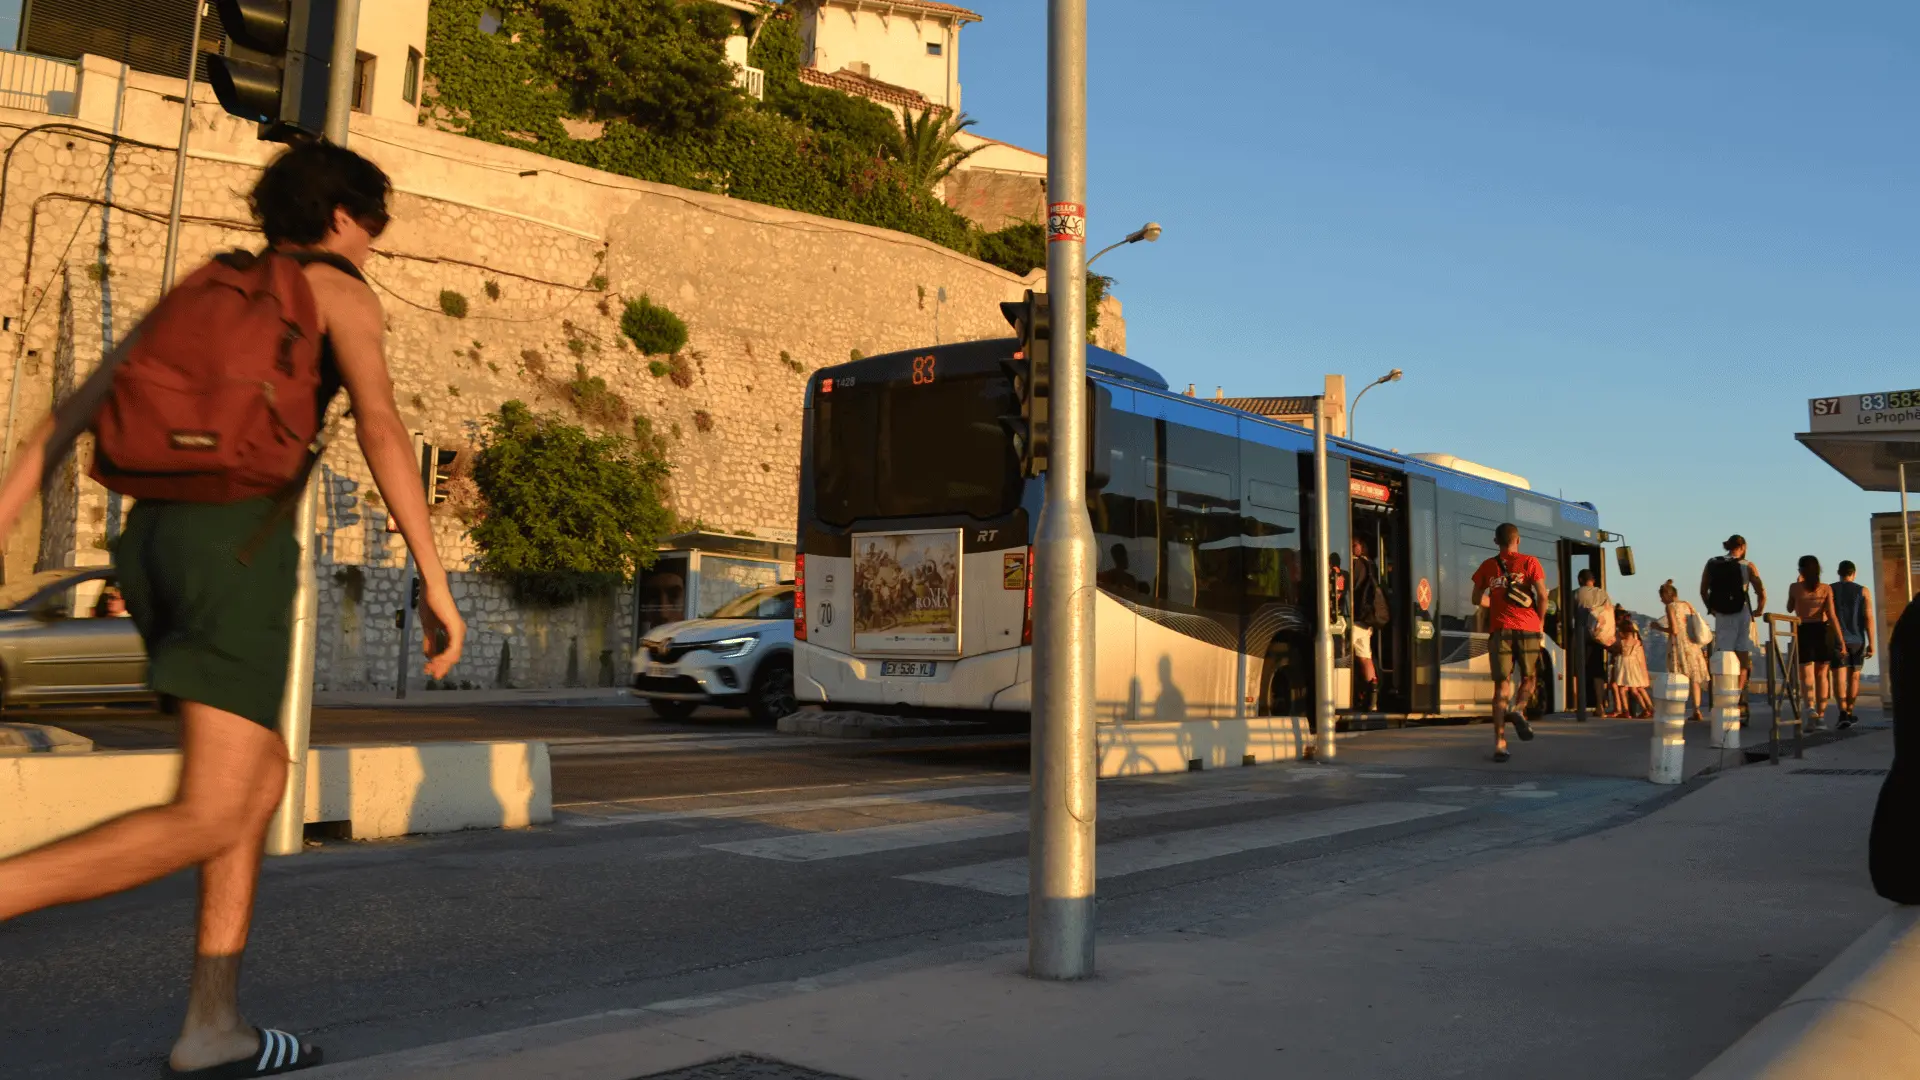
point(180, 155)
point(286, 835)
point(1060, 891)
point(1906, 535)
point(1323, 718)
point(346, 39)
point(404, 663)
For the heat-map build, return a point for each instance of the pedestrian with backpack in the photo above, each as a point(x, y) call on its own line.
point(1724, 585)
point(1370, 612)
point(1595, 608)
point(1513, 586)
point(207, 415)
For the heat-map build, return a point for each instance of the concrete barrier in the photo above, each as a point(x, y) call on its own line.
point(368, 791)
point(1726, 701)
point(1666, 762)
point(1859, 1018)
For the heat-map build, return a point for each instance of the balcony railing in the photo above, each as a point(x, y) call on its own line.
point(38, 84)
point(751, 79)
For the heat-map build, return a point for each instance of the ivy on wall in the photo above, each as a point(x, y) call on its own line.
point(804, 148)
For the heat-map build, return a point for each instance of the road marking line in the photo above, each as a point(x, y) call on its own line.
point(1008, 877)
point(812, 847)
point(758, 809)
point(684, 746)
point(657, 736)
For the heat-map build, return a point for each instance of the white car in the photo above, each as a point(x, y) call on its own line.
point(740, 656)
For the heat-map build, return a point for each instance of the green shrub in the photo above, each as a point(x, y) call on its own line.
point(653, 329)
point(593, 400)
point(659, 369)
point(453, 304)
point(567, 512)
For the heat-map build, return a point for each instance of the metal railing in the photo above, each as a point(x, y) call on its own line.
point(751, 79)
point(1783, 683)
point(38, 84)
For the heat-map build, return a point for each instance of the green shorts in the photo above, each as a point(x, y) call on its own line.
point(217, 630)
point(1513, 648)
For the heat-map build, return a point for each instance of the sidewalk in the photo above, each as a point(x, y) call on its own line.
point(1640, 951)
point(445, 699)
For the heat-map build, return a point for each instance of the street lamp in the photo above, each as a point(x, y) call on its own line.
point(1391, 376)
point(1148, 232)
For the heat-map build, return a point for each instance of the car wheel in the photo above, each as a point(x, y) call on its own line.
point(772, 695)
point(667, 709)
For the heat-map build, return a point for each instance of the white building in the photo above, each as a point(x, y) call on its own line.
point(911, 44)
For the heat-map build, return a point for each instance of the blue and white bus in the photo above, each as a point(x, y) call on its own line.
point(915, 525)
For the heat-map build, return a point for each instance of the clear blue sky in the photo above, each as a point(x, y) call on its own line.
point(1615, 250)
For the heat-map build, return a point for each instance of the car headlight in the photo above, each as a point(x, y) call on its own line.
point(734, 647)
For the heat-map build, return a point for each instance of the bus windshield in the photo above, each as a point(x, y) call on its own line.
point(898, 450)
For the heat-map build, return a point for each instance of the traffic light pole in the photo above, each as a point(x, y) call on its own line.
point(1060, 893)
point(287, 833)
point(180, 155)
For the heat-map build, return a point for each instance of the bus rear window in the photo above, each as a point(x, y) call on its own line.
point(892, 450)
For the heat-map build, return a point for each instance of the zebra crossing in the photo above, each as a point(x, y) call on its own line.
point(1176, 821)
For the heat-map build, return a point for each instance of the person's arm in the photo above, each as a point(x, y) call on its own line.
point(1866, 599)
point(22, 482)
point(1480, 582)
point(354, 325)
point(1706, 575)
point(1539, 587)
point(1759, 589)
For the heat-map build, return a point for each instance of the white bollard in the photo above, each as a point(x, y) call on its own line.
point(1667, 762)
point(1726, 701)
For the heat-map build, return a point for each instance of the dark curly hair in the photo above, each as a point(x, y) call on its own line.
point(295, 198)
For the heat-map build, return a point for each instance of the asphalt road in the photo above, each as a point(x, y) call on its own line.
point(702, 859)
point(622, 752)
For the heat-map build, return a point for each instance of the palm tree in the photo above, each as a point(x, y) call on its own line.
point(928, 149)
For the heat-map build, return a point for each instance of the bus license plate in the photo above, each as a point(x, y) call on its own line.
point(921, 668)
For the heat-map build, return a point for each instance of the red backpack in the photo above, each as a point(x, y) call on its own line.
point(216, 399)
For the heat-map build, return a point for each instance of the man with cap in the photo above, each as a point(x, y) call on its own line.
point(1724, 585)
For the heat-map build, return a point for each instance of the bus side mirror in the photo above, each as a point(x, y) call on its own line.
point(1624, 556)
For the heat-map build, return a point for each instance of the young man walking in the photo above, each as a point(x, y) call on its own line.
point(1853, 603)
point(1724, 583)
point(210, 587)
point(1514, 587)
point(1370, 612)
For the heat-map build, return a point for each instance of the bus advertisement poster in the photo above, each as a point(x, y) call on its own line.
point(906, 592)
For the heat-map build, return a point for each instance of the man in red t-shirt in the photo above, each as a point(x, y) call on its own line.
point(1515, 591)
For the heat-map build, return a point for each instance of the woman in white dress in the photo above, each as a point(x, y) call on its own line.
point(1683, 656)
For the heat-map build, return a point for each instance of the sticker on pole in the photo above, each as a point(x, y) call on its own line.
point(1067, 221)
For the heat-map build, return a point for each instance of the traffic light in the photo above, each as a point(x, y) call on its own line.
point(275, 64)
point(435, 472)
point(1031, 370)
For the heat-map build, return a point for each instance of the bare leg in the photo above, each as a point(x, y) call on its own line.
point(1809, 687)
point(227, 762)
point(1820, 690)
point(1500, 715)
point(231, 776)
point(1849, 688)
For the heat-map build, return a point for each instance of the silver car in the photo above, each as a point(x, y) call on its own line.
point(59, 647)
point(741, 655)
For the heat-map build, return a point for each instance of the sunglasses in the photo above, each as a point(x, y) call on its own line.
point(375, 223)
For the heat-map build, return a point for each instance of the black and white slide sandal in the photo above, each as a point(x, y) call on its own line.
point(279, 1053)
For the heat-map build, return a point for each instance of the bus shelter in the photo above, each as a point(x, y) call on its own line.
point(696, 572)
point(1874, 441)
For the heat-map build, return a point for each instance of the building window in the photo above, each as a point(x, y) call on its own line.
point(363, 83)
point(410, 85)
point(933, 48)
